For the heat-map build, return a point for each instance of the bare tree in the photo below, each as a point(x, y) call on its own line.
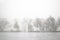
point(16, 26)
point(38, 24)
point(51, 24)
point(30, 28)
point(3, 23)
point(27, 25)
point(58, 22)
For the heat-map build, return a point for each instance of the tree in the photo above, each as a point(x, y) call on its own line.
point(51, 24)
point(30, 28)
point(58, 23)
point(16, 26)
point(38, 24)
point(27, 25)
point(3, 23)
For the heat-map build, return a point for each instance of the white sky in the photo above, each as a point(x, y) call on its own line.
point(29, 8)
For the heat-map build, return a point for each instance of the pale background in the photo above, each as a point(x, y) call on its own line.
point(19, 9)
point(28, 8)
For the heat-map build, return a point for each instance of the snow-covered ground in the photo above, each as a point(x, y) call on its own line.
point(29, 36)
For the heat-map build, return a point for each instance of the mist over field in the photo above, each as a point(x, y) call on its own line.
point(29, 19)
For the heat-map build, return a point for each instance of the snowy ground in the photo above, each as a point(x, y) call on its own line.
point(29, 36)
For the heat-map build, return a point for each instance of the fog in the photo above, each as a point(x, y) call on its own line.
point(19, 9)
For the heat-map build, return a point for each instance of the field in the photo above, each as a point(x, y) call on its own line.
point(29, 36)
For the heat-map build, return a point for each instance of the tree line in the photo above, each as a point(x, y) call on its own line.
point(37, 25)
